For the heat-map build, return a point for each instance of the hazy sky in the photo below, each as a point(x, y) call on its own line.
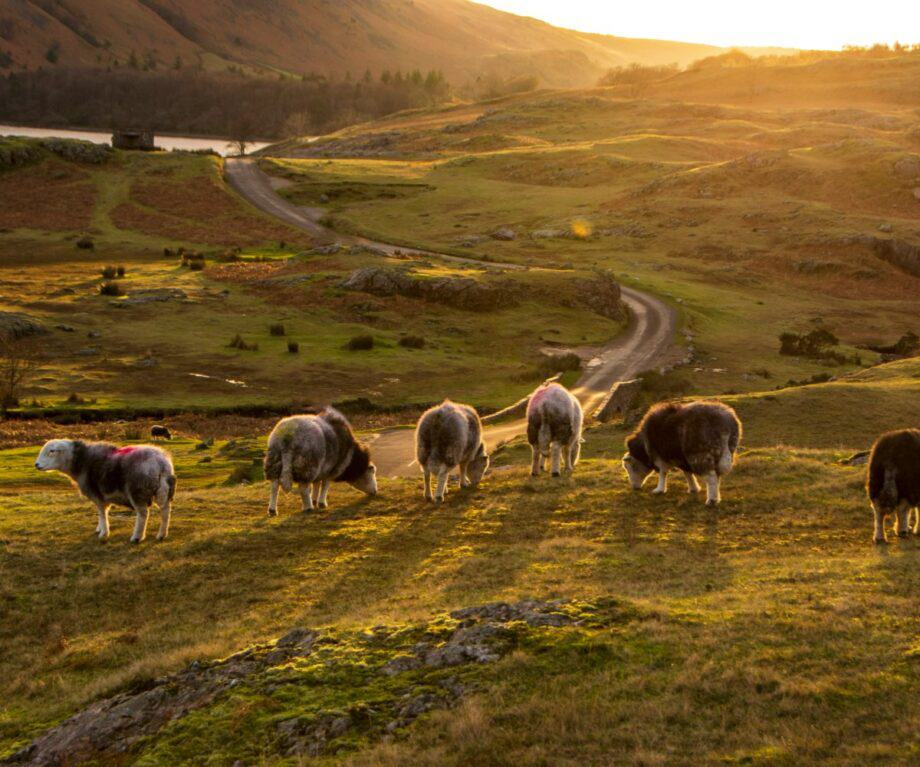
point(790, 23)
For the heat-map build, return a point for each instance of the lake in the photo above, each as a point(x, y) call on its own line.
point(219, 145)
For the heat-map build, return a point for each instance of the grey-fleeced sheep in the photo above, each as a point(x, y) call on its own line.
point(314, 451)
point(448, 436)
point(699, 438)
point(554, 421)
point(107, 475)
point(894, 481)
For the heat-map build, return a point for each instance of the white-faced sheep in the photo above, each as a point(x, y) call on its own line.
point(107, 475)
point(699, 438)
point(894, 481)
point(314, 451)
point(554, 421)
point(447, 437)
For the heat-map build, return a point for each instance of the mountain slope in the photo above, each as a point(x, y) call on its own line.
point(302, 36)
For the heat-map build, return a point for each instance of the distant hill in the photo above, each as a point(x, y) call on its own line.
point(462, 38)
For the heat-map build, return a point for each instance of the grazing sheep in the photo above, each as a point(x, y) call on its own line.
point(894, 481)
point(449, 436)
point(160, 432)
point(554, 420)
point(699, 438)
point(134, 477)
point(314, 451)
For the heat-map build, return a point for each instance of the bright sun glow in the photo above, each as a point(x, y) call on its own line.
point(787, 23)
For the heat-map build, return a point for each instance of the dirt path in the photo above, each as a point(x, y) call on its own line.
point(644, 343)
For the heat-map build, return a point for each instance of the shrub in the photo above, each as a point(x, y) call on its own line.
point(238, 342)
point(412, 342)
point(196, 265)
point(361, 343)
point(293, 347)
point(109, 272)
point(86, 243)
point(276, 329)
point(110, 288)
point(559, 363)
point(813, 344)
point(120, 271)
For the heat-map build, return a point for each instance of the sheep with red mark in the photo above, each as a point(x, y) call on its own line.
point(699, 438)
point(450, 436)
point(107, 475)
point(894, 481)
point(554, 422)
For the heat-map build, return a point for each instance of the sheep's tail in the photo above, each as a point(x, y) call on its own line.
point(726, 457)
point(171, 485)
point(888, 498)
point(287, 469)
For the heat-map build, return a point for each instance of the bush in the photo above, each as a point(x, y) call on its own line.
point(110, 288)
point(86, 243)
point(120, 271)
point(276, 329)
point(293, 347)
point(360, 343)
point(238, 342)
point(109, 272)
point(559, 363)
point(412, 342)
point(813, 344)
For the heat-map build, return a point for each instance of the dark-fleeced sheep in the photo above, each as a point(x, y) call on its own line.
point(158, 431)
point(108, 475)
point(450, 436)
point(313, 451)
point(554, 422)
point(894, 481)
point(699, 438)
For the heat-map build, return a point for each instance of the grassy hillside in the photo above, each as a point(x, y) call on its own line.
point(754, 221)
point(768, 631)
point(460, 37)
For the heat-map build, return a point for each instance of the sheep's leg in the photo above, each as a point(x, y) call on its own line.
point(321, 498)
point(557, 458)
point(879, 535)
point(464, 480)
point(427, 481)
point(713, 491)
point(102, 526)
point(273, 499)
point(903, 520)
point(140, 523)
point(692, 484)
point(662, 486)
point(572, 454)
point(165, 513)
point(443, 473)
point(537, 467)
point(916, 528)
point(306, 496)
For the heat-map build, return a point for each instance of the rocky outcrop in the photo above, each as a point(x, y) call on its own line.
point(14, 325)
point(602, 294)
point(900, 253)
point(458, 292)
point(409, 661)
point(621, 398)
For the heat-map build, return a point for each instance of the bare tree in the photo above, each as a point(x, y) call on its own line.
point(18, 363)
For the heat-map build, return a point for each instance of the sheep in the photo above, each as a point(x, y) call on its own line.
point(314, 451)
point(158, 431)
point(699, 438)
point(105, 474)
point(554, 421)
point(894, 481)
point(446, 437)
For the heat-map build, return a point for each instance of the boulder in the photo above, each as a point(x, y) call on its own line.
point(602, 295)
point(458, 292)
point(620, 400)
point(505, 234)
point(14, 325)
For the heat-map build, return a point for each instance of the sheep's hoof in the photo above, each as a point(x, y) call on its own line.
point(323, 505)
point(161, 538)
point(273, 512)
point(656, 491)
point(712, 504)
point(903, 533)
point(535, 474)
point(880, 541)
point(439, 499)
point(136, 541)
point(557, 473)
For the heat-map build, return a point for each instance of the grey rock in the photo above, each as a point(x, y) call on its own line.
point(17, 326)
point(505, 234)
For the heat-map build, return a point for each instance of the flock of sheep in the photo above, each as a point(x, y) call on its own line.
point(313, 451)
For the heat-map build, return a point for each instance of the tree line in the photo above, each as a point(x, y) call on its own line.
point(222, 104)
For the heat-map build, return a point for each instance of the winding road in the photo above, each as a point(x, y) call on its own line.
point(645, 342)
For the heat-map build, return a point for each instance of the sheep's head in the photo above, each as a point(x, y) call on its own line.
point(636, 462)
point(367, 481)
point(56, 455)
point(477, 468)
